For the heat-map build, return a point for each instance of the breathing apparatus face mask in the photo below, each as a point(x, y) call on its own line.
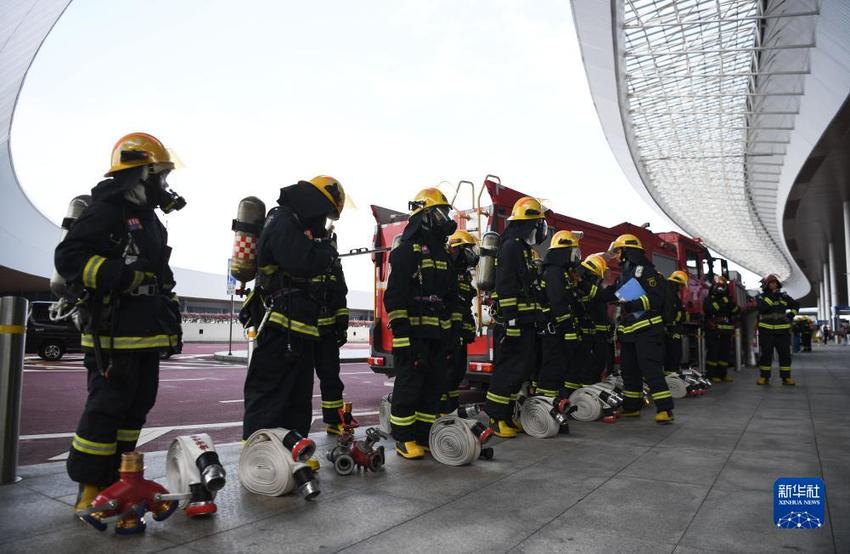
point(575, 255)
point(467, 256)
point(538, 234)
point(159, 193)
point(439, 220)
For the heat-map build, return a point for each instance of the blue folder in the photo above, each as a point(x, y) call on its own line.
point(632, 290)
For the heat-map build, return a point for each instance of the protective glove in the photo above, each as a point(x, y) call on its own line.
point(341, 337)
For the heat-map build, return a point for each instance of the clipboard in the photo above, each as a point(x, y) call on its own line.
point(631, 290)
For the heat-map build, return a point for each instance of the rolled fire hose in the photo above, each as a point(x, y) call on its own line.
point(588, 406)
point(456, 441)
point(452, 441)
point(384, 411)
point(270, 468)
point(678, 387)
point(192, 468)
point(540, 417)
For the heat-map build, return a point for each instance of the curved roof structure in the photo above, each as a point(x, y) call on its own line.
point(712, 108)
point(26, 235)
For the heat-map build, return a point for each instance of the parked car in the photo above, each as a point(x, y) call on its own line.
point(50, 340)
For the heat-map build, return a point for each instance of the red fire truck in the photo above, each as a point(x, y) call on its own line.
point(668, 251)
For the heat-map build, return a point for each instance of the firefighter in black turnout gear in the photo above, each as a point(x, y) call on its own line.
point(675, 329)
point(294, 248)
point(776, 311)
point(594, 327)
point(517, 313)
point(720, 311)
point(463, 249)
point(115, 261)
point(420, 299)
point(641, 331)
point(333, 334)
point(556, 377)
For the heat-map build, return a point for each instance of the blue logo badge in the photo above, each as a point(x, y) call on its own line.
point(799, 502)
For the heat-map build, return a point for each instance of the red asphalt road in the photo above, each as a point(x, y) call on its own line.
point(193, 390)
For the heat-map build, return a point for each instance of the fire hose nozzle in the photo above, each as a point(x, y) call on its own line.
point(302, 448)
point(305, 483)
point(213, 477)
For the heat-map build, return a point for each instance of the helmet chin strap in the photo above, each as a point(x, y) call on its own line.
point(137, 195)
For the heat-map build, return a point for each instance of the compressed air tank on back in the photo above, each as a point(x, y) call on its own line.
point(75, 210)
point(247, 227)
point(488, 248)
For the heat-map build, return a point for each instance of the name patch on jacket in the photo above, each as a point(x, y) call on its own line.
point(133, 224)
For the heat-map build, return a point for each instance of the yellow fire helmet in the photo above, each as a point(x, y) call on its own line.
point(527, 208)
point(428, 198)
point(566, 239)
point(462, 238)
point(332, 190)
point(138, 149)
point(625, 241)
point(596, 263)
point(679, 277)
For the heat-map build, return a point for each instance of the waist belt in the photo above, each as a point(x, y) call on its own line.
point(432, 299)
point(145, 290)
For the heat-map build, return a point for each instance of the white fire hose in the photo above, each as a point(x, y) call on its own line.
point(272, 463)
point(194, 472)
point(678, 387)
point(541, 417)
point(596, 401)
point(457, 441)
point(384, 411)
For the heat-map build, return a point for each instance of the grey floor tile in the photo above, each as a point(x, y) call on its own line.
point(492, 519)
point(742, 521)
point(753, 471)
point(318, 526)
point(83, 539)
point(708, 438)
point(776, 443)
point(639, 508)
point(839, 514)
point(25, 513)
point(681, 465)
point(553, 538)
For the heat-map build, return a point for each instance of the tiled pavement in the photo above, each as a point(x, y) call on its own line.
point(701, 485)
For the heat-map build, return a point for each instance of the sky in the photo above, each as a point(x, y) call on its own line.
point(388, 96)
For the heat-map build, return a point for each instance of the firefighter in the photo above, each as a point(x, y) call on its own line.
point(593, 307)
point(517, 313)
point(463, 249)
point(720, 313)
point(560, 342)
point(776, 310)
point(333, 334)
point(419, 299)
point(115, 260)
point(806, 334)
point(641, 330)
point(673, 358)
point(293, 249)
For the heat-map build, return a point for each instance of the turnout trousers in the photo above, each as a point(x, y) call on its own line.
point(513, 363)
point(327, 370)
point(673, 352)
point(115, 411)
point(455, 372)
point(553, 365)
point(718, 349)
point(781, 342)
point(642, 359)
point(279, 384)
point(603, 353)
point(420, 375)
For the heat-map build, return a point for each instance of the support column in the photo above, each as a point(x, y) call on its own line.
point(833, 285)
point(847, 246)
point(820, 300)
point(826, 294)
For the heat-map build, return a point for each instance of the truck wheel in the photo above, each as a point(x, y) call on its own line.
point(51, 351)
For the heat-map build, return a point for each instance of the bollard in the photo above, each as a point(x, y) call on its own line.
point(13, 329)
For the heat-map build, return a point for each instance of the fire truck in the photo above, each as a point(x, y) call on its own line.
point(486, 212)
